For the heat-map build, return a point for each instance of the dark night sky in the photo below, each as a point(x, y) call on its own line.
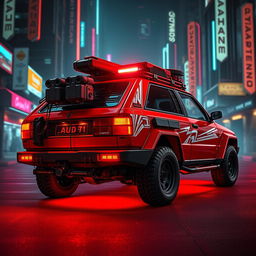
point(121, 25)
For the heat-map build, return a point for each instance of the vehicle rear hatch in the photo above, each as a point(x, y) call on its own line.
point(70, 127)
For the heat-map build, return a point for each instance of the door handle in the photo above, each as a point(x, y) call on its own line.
point(195, 126)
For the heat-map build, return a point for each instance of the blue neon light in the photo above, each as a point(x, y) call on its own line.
point(167, 56)
point(163, 57)
point(97, 16)
point(214, 61)
point(5, 59)
point(82, 34)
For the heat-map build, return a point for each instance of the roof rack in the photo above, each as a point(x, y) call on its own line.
point(99, 69)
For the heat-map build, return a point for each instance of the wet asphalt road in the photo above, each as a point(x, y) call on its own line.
point(110, 219)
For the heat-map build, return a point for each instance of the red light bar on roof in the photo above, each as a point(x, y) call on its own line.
point(128, 70)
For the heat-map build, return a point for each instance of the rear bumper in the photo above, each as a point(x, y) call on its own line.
point(85, 158)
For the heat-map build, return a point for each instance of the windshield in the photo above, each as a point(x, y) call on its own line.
point(105, 95)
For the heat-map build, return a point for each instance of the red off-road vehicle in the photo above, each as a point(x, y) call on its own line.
point(132, 123)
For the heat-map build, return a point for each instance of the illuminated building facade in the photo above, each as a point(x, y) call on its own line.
point(229, 66)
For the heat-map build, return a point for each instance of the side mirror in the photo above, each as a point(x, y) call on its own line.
point(216, 115)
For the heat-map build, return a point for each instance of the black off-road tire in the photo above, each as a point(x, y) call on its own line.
point(227, 174)
point(158, 182)
point(53, 186)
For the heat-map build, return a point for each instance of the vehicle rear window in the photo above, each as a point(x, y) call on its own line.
point(105, 95)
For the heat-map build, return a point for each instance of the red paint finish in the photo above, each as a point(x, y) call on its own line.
point(148, 108)
point(139, 132)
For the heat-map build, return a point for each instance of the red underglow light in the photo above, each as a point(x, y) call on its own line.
point(97, 202)
point(108, 199)
point(190, 188)
point(128, 70)
point(93, 41)
point(109, 157)
point(78, 18)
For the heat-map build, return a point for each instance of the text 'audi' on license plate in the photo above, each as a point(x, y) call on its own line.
point(76, 129)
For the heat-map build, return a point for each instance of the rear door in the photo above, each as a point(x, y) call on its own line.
point(200, 132)
point(162, 103)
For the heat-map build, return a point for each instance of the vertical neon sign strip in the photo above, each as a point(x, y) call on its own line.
point(39, 19)
point(221, 30)
point(82, 29)
point(97, 26)
point(78, 34)
point(192, 58)
point(97, 17)
point(175, 55)
point(248, 48)
point(214, 61)
point(199, 54)
point(163, 57)
point(93, 41)
point(167, 56)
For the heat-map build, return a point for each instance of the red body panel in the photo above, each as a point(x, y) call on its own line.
point(208, 141)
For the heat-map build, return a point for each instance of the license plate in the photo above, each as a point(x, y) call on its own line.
point(66, 130)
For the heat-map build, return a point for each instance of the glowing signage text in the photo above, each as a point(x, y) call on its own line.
point(192, 57)
point(248, 48)
point(8, 19)
point(172, 27)
point(34, 20)
point(221, 30)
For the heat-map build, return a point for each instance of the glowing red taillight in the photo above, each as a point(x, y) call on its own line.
point(24, 158)
point(112, 126)
point(26, 131)
point(110, 157)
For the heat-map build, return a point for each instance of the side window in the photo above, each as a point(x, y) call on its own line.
point(160, 99)
point(192, 107)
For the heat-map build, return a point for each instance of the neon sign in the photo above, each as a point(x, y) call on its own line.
point(20, 103)
point(93, 41)
point(221, 29)
point(172, 27)
point(248, 48)
point(34, 20)
point(35, 82)
point(82, 28)
point(5, 59)
point(8, 19)
point(214, 62)
point(192, 57)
